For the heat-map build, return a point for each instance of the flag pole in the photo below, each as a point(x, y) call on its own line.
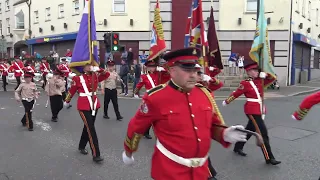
point(261, 60)
point(90, 49)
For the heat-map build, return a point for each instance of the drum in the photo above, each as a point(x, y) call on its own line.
point(11, 77)
point(37, 77)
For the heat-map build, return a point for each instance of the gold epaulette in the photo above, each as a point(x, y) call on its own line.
point(156, 89)
point(202, 86)
point(249, 79)
point(199, 85)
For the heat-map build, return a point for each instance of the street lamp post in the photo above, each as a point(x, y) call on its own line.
point(29, 28)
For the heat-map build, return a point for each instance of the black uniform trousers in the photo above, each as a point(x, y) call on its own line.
point(256, 124)
point(89, 133)
point(147, 133)
point(64, 95)
point(56, 105)
point(111, 94)
point(4, 81)
point(44, 77)
point(18, 82)
point(27, 118)
point(212, 171)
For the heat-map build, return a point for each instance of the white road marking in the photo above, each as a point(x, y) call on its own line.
point(2, 108)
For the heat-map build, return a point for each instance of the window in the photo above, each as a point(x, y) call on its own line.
point(119, 6)
point(317, 17)
point(20, 20)
point(8, 26)
point(48, 15)
point(252, 5)
point(0, 7)
point(36, 17)
point(7, 5)
point(1, 27)
point(76, 8)
point(61, 11)
point(309, 10)
point(303, 8)
point(298, 6)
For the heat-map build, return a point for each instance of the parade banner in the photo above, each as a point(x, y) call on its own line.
point(214, 53)
point(195, 31)
point(260, 49)
point(158, 43)
point(85, 49)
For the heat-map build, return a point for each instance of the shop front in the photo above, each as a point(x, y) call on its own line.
point(301, 58)
point(59, 43)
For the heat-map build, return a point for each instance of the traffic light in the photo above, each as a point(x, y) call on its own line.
point(115, 42)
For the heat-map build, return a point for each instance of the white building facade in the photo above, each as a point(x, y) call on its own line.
point(7, 25)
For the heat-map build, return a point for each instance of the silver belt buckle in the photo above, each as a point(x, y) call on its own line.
point(195, 163)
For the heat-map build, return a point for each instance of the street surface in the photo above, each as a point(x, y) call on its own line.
point(50, 151)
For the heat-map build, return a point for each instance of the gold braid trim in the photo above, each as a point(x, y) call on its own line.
point(136, 90)
point(213, 104)
point(302, 112)
point(68, 97)
point(217, 82)
point(133, 143)
point(231, 98)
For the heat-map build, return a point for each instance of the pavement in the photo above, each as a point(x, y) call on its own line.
point(50, 151)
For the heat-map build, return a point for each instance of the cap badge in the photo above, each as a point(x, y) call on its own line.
point(194, 52)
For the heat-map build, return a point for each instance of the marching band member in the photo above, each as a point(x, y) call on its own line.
point(109, 89)
point(54, 88)
point(305, 106)
point(29, 68)
point(4, 73)
point(17, 67)
point(45, 69)
point(88, 106)
point(63, 67)
point(26, 93)
point(252, 88)
point(184, 121)
point(149, 81)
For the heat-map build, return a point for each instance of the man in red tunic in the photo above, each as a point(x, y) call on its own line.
point(45, 69)
point(252, 89)
point(4, 70)
point(17, 68)
point(306, 105)
point(184, 120)
point(88, 104)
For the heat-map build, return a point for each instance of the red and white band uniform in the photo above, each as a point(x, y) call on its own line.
point(184, 123)
point(252, 89)
point(88, 104)
point(44, 69)
point(306, 105)
point(4, 71)
point(17, 68)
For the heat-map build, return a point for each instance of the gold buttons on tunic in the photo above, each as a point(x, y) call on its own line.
point(199, 140)
point(188, 94)
point(192, 115)
point(190, 104)
point(195, 128)
point(170, 111)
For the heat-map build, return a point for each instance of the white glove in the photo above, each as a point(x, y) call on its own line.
point(136, 96)
point(160, 68)
point(224, 103)
point(211, 68)
point(66, 104)
point(206, 78)
point(94, 68)
point(293, 117)
point(262, 75)
point(126, 159)
point(71, 75)
point(231, 135)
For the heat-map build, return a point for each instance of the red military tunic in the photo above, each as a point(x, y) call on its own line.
point(253, 104)
point(65, 69)
point(147, 82)
point(45, 68)
point(306, 105)
point(183, 123)
point(4, 69)
point(30, 69)
point(83, 102)
point(17, 67)
point(165, 77)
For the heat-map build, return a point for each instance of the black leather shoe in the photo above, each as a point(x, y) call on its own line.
point(69, 106)
point(240, 152)
point(24, 124)
point(83, 151)
point(97, 159)
point(147, 136)
point(273, 162)
point(54, 119)
point(30, 129)
point(119, 118)
point(106, 116)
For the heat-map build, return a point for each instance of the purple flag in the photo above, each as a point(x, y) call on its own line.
point(85, 49)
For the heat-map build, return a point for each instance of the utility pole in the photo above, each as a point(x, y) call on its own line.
point(29, 28)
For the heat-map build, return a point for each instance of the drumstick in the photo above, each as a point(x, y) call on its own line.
point(259, 140)
point(47, 103)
